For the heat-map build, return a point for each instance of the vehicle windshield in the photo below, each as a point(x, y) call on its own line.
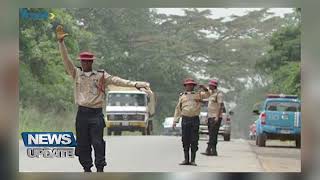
point(204, 106)
point(124, 99)
point(283, 106)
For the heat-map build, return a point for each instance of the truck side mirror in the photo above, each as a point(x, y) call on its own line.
point(256, 111)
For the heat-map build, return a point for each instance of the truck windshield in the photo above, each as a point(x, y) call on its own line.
point(124, 99)
point(283, 106)
point(204, 106)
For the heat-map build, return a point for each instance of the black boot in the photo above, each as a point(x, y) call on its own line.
point(193, 158)
point(214, 152)
point(99, 169)
point(208, 151)
point(186, 158)
point(87, 169)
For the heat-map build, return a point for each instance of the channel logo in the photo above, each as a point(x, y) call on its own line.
point(49, 144)
point(27, 14)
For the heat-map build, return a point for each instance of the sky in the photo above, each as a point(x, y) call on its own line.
point(225, 12)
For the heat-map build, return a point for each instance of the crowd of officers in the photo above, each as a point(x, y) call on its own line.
point(188, 107)
point(89, 95)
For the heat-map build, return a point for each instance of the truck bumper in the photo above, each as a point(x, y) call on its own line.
point(280, 130)
point(282, 133)
point(126, 126)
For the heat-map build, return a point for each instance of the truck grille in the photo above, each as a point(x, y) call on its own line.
point(125, 117)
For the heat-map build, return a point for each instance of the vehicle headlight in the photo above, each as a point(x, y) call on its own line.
point(111, 117)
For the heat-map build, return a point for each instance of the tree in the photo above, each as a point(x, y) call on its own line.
point(282, 62)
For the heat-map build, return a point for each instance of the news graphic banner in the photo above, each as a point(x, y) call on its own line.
point(49, 144)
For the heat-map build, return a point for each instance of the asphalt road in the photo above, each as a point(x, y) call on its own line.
point(278, 156)
point(163, 153)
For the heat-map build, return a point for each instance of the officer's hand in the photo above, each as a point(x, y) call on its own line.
point(142, 85)
point(203, 87)
point(60, 33)
point(174, 125)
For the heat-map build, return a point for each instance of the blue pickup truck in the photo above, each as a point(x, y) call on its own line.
point(279, 118)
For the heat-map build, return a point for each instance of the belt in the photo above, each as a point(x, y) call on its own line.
point(89, 110)
point(214, 118)
point(190, 117)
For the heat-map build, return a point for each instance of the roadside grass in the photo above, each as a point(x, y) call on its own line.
point(32, 120)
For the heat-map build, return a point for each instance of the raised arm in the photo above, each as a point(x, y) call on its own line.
point(71, 69)
point(205, 93)
point(118, 81)
point(64, 53)
point(123, 82)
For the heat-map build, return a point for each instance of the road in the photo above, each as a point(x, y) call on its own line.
point(278, 156)
point(163, 153)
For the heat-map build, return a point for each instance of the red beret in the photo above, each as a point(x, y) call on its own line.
point(189, 81)
point(86, 56)
point(213, 82)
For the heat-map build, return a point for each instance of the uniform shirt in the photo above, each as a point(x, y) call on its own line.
point(189, 104)
point(215, 98)
point(86, 92)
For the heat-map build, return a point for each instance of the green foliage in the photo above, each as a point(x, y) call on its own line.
point(283, 60)
point(286, 47)
point(287, 79)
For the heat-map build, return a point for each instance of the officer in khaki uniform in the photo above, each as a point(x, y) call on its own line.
point(188, 107)
point(215, 107)
point(89, 95)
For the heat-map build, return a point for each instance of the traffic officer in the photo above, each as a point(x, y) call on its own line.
point(89, 94)
point(215, 108)
point(188, 107)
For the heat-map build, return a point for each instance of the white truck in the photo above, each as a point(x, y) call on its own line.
point(129, 109)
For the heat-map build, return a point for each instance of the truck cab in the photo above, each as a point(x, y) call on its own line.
point(129, 109)
point(279, 118)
